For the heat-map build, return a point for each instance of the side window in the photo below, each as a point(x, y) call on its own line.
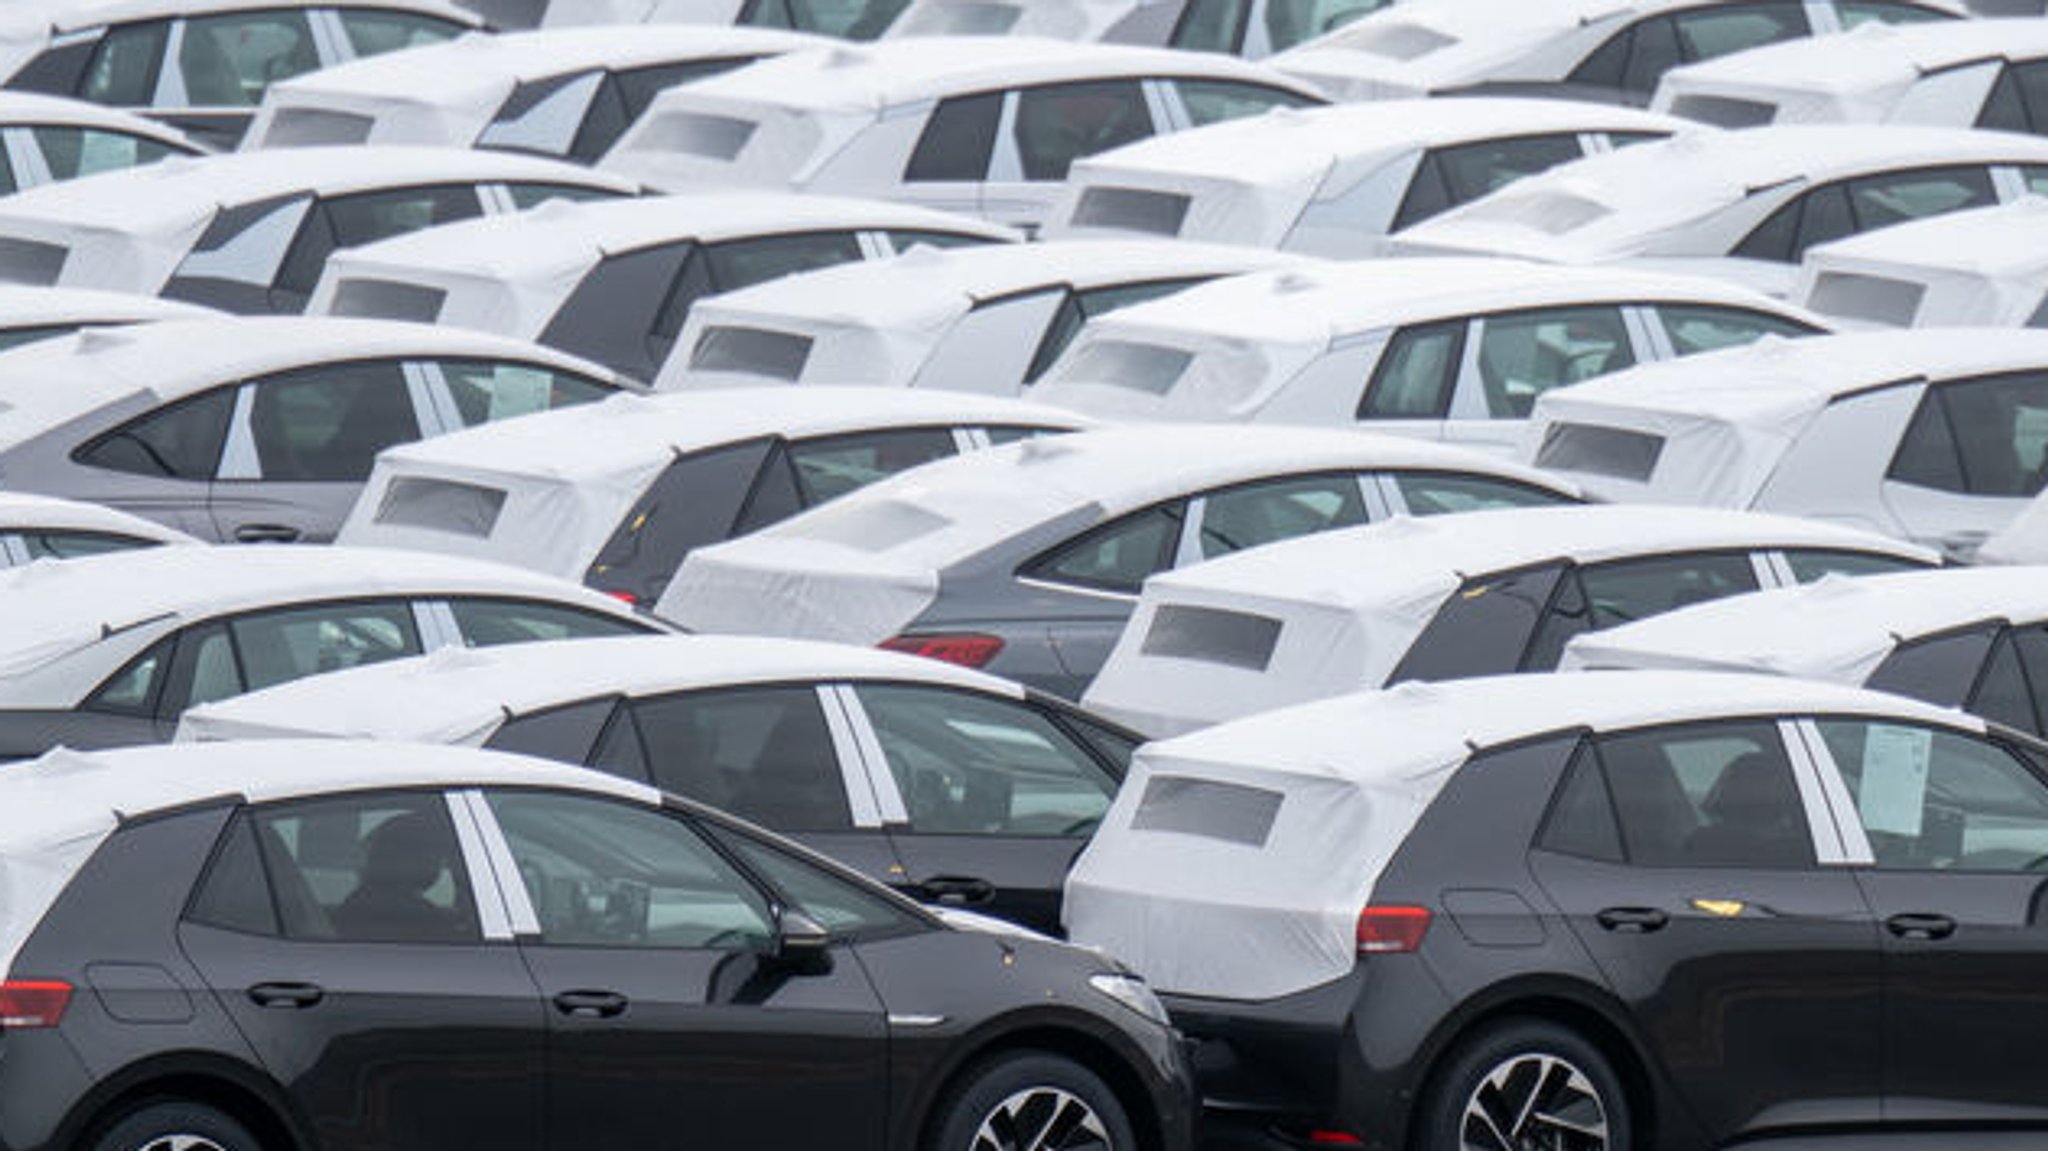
point(1633, 59)
point(490, 622)
point(567, 733)
point(1289, 22)
point(1468, 171)
point(1706, 327)
point(530, 194)
point(61, 545)
point(970, 764)
point(761, 753)
point(2002, 694)
point(367, 217)
point(957, 139)
point(487, 390)
point(1254, 514)
point(125, 65)
point(1607, 594)
point(831, 466)
point(279, 646)
point(1985, 437)
point(2019, 100)
point(134, 689)
point(690, 283)
point(1524, 354)
point(1707, 795)
point(373, 31)
point(901, 240)
point(203, 668)
point(1936, 668)
point(73, 152)
point(1482, 628)
point(1581, 817)
point(1445, 493)
point(1809, 564)
point(743, 263)
point(844, 907)
point(1719, 29)
point(229, 60)
point(1413, 378)
point(375, 868)
point(693, 502)
point(605, 873)
point(1060, 123)
point(1080, 307)
point(774, 496)
point(234, 894)
point(1214, 101)
point(1211, 26)
point(1856, 13)
point(327, 424)
point(182, 441)
point(1118, 555)
point(1935, 800)
point(1896, 197)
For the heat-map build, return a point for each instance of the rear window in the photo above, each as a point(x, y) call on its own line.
point(757, 351)
point(1725, 111)
point(441, 505)
point(316, 127)
point(1212, 635)
point(1132, 210)
point(1602, 451)
point(700, 134)
point(388, 299)
point(31, 261)
point(1879, 299)
point(1127, 364)
point(1231, 812)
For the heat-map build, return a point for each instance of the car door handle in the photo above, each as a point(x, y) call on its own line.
point(591, 1004)
point(266, 534)
point(1920, 925)
point(956, 890)
point(1632, 920)
point(293, 995)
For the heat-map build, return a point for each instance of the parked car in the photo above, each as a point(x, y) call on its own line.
point(28, 314)
point(1026, 559)
point(1247, 28)
point(108, 650)
point(257, 430)
point(566, 94)
point(1448, 598)
point(1618, 910)
point(203, 65)
point(1334, 181)
point(985, 319)
point(1981, 268)
point(1745, 206)
point(1964, 637)
point(615, 495)
point(953, 787)
point(982, 125)
point(614, 281)
point(45, 140)
point(1957, 74)
point(507, 953)
point(250, 232)
point(1934, 436)
point(40, 527)
point(1455, 349)
point(1596, 49)
point(852, 19)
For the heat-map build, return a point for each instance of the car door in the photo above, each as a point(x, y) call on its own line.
point(346, 938)
point(1956, 826)
point(301, 443)
point(989, 799)
point(1696, 866)
point(1049, 126)
point(217, 67)
point(670, 1020)
point(1973, 453)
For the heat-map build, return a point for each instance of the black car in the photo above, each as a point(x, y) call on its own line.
point(1609, 911)
point(301, 946)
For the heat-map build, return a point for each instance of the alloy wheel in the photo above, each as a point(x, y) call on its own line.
point(1042, 1119)
point(180, 1143)
point(1534, 1102)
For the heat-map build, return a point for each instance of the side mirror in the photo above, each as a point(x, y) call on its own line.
point(799, 939)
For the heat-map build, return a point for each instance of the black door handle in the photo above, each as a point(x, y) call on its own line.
point(591, 1004)
point(956, 890)
point(1632, 920)
point(1920, 925)
point(266, 534)
point(294, 995)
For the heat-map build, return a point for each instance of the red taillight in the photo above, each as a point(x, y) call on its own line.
point(1390, 929)
point(625, 597)
point(27, 1003)
point(968, 649)
point(1334, 1139)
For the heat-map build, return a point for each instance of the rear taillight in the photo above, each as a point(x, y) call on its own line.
point(968, 649)
point(625, 597)
point(1324, 1138)
point(1383, 930)
point(30, 1003)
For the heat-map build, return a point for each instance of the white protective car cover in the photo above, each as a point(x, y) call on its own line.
point(1987, 267)
point(55, 811)
point(881, 322)
point(1337, 611)
point(21, 511)
point(1837, 628)
point(1080, 20)
point(562, 481)
point(2024, 540)
point(1252, 890)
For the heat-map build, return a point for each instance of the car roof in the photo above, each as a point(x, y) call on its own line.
point(463, 695)
point(23, 511)
point(34, 306)
point(1876, 60)
point(68, 15)
point(35, 108)
point(1838, 629)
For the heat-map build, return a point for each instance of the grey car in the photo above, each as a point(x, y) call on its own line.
point(1025, 560)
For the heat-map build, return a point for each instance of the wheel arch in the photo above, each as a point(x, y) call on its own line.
point(1050, 1038)
point(246, 1096)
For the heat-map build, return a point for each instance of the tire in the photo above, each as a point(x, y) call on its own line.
point(176, 1126)
point(1480, 1101)
point(1027, 1100)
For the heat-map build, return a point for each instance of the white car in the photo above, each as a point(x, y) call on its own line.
point(1447, 348)
point(568, 93)
point(1606, 48)
point(203, 65)
point(1956, 74)
point(1248, 28)
point(616, 495)
point(1938, 436)
point(46, 140)
point(1973, 638)
point(1333, 181)
point(1986, 267)
point(615, 281)
point(852, 19)
point(983, 125)
point(41, 527)
point(29, 313)
point(250, 232)
point(1743, 205)
point(989, 319)
point(1486, 593)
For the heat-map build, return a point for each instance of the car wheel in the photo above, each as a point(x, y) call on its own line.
point(173, 1126)
point(1526, 1086)
point(1030, 1101)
